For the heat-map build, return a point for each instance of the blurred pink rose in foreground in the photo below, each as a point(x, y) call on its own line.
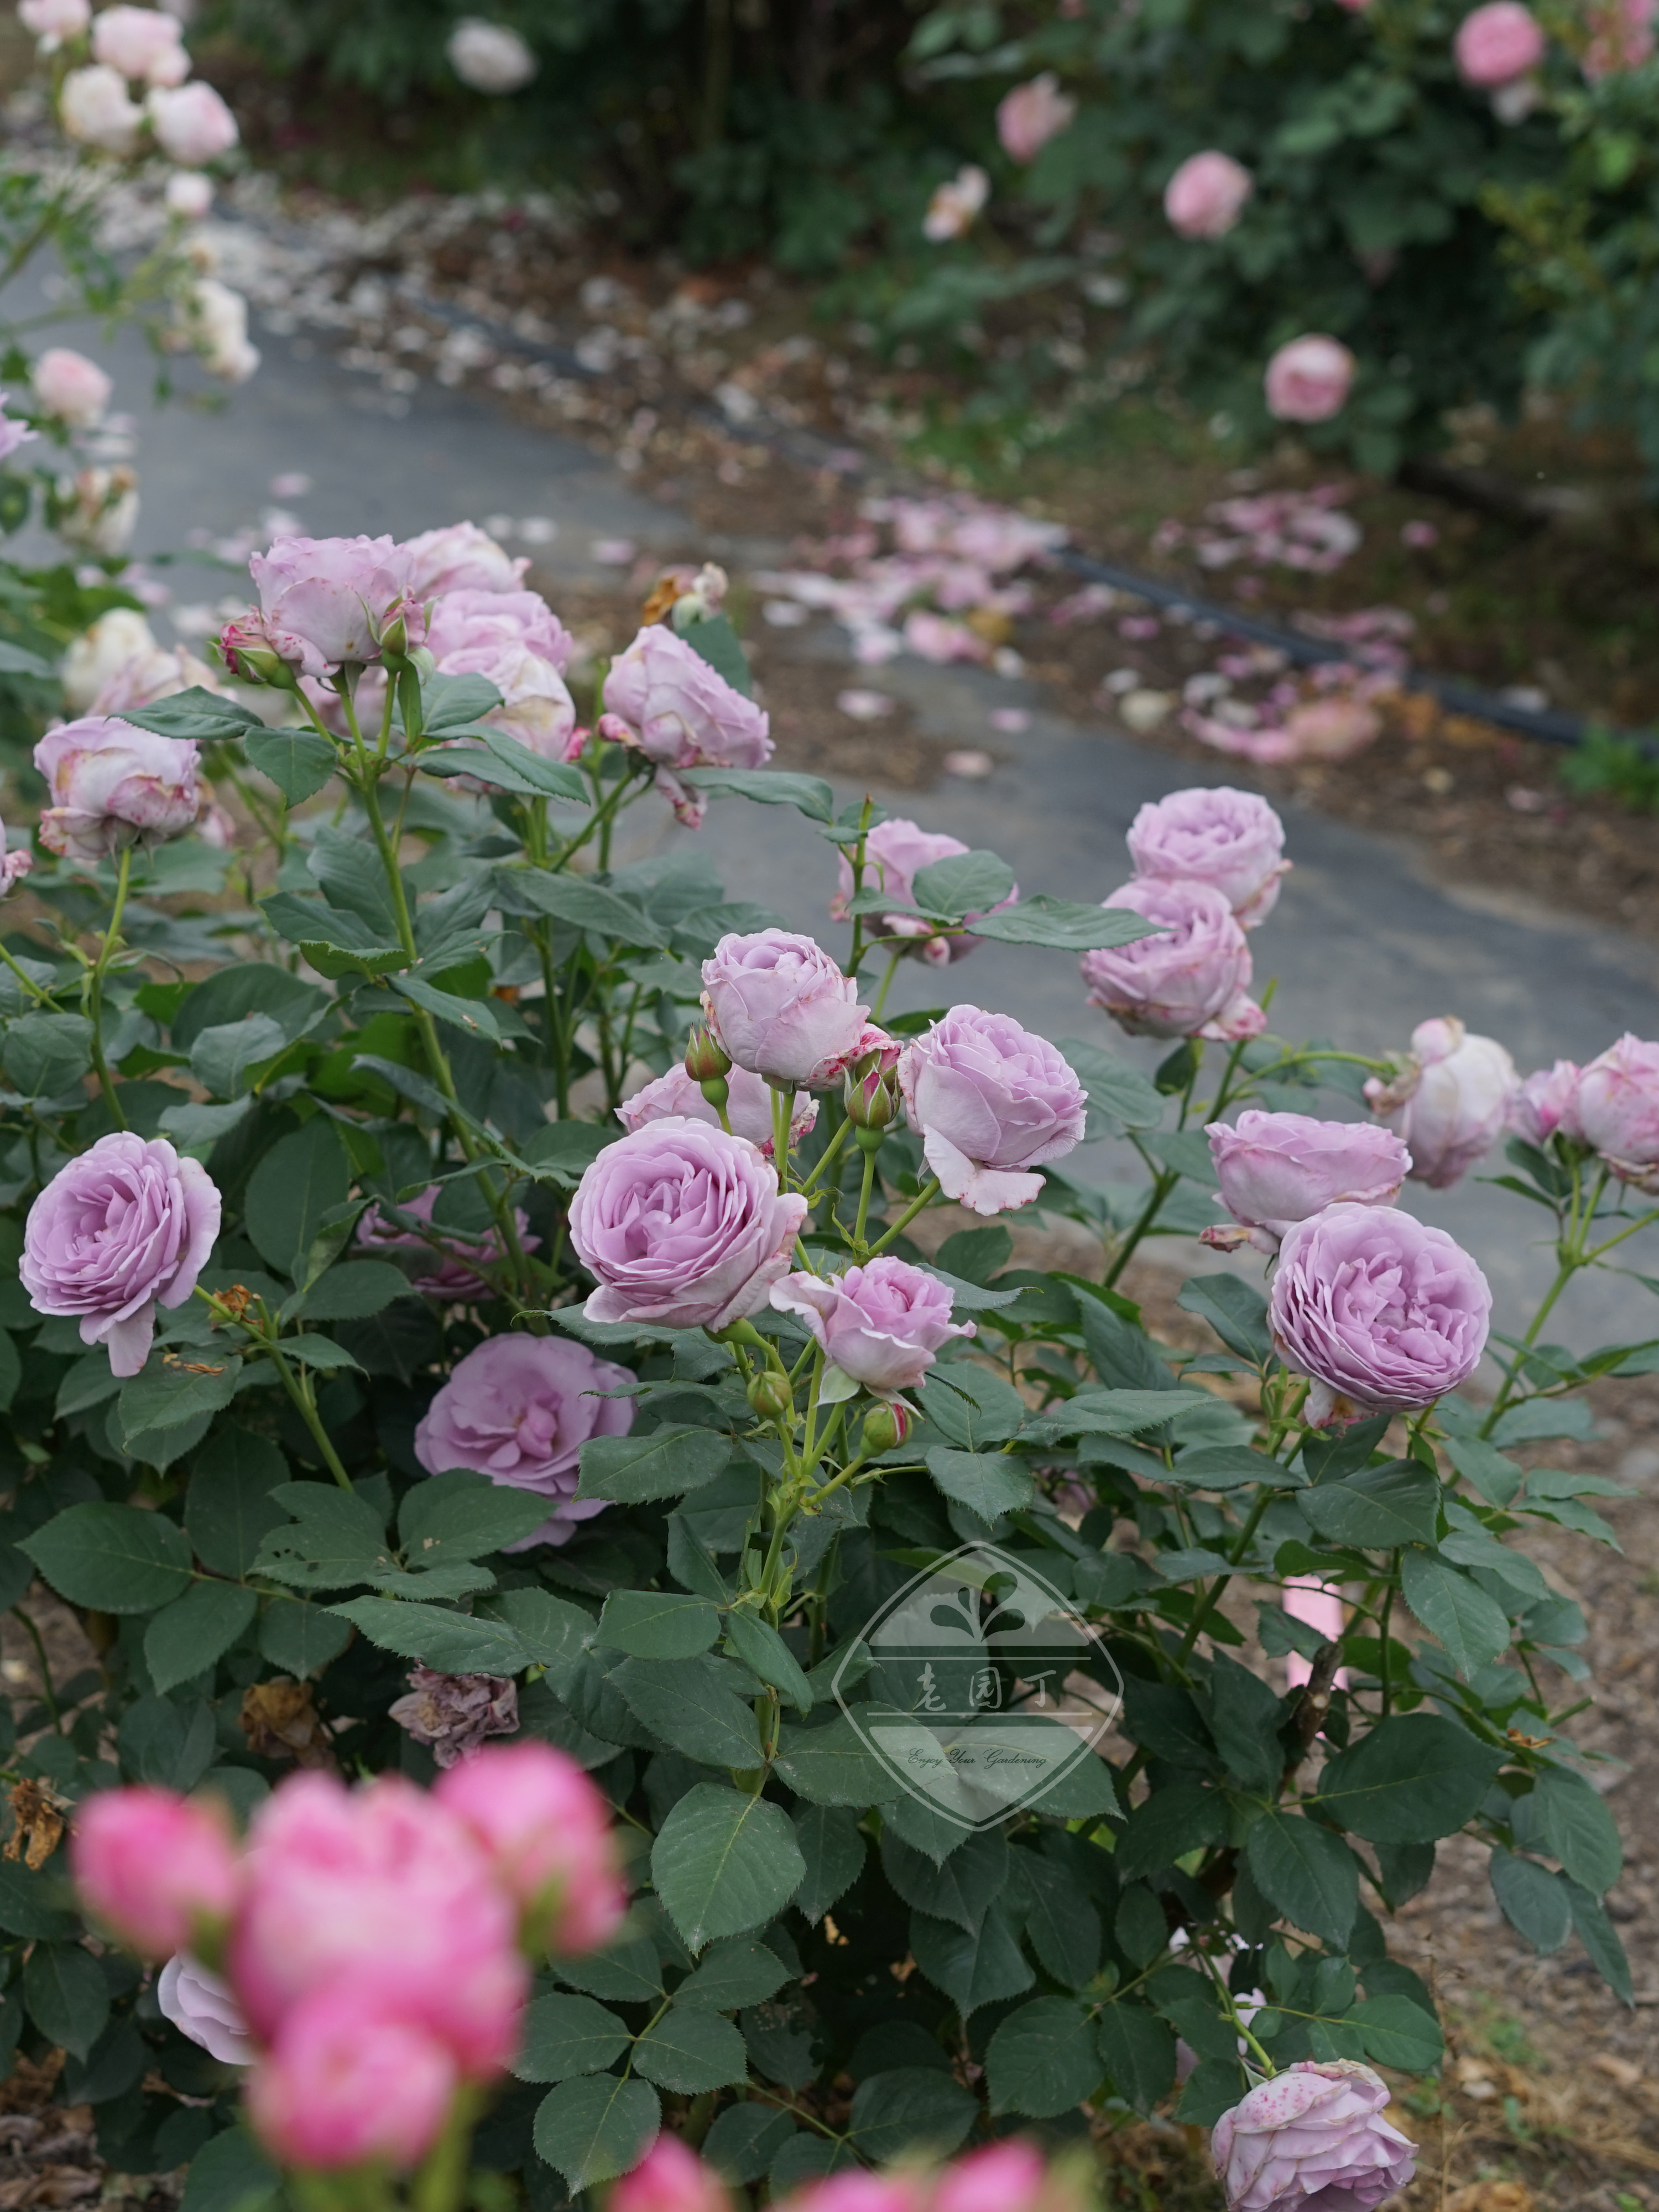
point(1206, 195)
point(1498, 44)
point(70, 387)
point(1309, 379)
point(1031, 114)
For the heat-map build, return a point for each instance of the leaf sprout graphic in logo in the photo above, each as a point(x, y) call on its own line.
point(981, 1690)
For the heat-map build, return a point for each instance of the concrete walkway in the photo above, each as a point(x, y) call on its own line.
point(1364, 943)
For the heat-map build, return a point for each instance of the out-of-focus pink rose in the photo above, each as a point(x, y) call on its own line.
point(1309, 379)
point(13, 434)
point(670, 2177)
point(461, 557)
point(1206, 195)
point(113, 786)
point(517, 641)
point(447, 1273)
point(203, 2005)
point(1313, 2135)
point(337, 596)
point(1001, 2177)
point(72, 387)
point(547, 1834)
point(1231, 839)
point(451, 1713)
point(142, 43)
point(13, 864)
point(1278, 1169)
point(661, 697)
point(1318, 1608)
point(782, 1008)
point(1617, 1110)
point(1621, 37)
point(1381, 1313)
point(991, 1102)
point(1192, 980)
point(1496, 44)
point(1545, 1103)
point(1031, 114)
point(188, 194)
point(95, 109)
point(748, 1106)
point(159, 1870)
point(155, 673)
point(951, 210)
point(348, 2081)
point(853, 2190)
point(1449, 1103)
point(683, 1227)
point(519, 1409)
point(881, 1323)
point(893, 852)
point(191, 125)
point(52, 22)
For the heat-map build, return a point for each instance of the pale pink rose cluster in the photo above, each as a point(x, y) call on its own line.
point(367, 1949)
point(664, 699)
point(141, 47)
point(1450, 1101)
point(1609, 1107)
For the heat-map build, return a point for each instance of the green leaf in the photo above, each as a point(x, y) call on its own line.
point(763, 1651)
point(830, 1765)
point(46, 1053)
point(1064, 925)
point(298, 762)
point(911, 2110)
point(473, 1017)
point(657, 1625)
point(1533, 1900)
point(1043, 2059)
point(565, 2036)
point(724, 1863)
point(806, 2158)
point(167, 1745)
point(1306, 1873)
point(595, 2128)
point(829, 1843)
point(1495, 1477)
point(302, 1178)
point(988, 1483)
point(229, 1508)
point(231, 2173)
point(734, 1973)
point(972, 1970)
point(1181, 1817)
point(117, 1558)
point(714, 640)
point(548, 778)
point(29, 1904)
point(450, 1643)
point(335, 1539)
point(809, 794)
point(1376, 1510)
point(1600, 1941)
point(692, 1705)
point(1411, 1779)
point(691, 2051)
point(353, 1291)
point(1062, 1924)
point(1564, 1816)
point(195, 1630)
point(1235, 1310)
point(198, 714)
point(744, 2140)
point(669, 1462)
point(67, 1996)
point(1119, 1095)
point(967, 882)
point(584, 904)
point(961, 1890)
point(1473, 1627)
point(1245, 1720)
point(971, 1407)
point(625, 1973)
point(462, 1514)
point(301, 1637)
point(1138, 2051)
point(1397, 2033)
point(223, 1058)
point(165, 1399)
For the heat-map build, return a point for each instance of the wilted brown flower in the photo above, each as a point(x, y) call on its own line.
point(453, 1713)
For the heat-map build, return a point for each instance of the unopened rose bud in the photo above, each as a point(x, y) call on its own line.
point(250, 665)
point(886, 1426)
point(770, 1397)
point(705, 1063)
point(394, 640)
point(870, 1101)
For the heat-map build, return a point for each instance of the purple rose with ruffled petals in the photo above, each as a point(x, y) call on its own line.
point(1449, 1103)
point(1546, 1102)
point(893, 852)
point(682, 1226)
point(1312, 2139)
point(661, 697)
point(126, 1227)
point(113, 786)
point(1191, 980)
point(1617, 1110)
point(461, 557)
point(1382, 1313)
point(881, 1323)
point(203, 2005)
point(781, 1007)
point(748, 1106)
point(446, 1274)
point(1231, 839)
point(519, 1409)
point(15, 864)
point(1279, 1169)
point(337, 595)
point(990, 1102)
point(516, 641)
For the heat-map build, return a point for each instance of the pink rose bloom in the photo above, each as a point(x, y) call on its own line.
point(1001, 2177)
point(188, 194)
point(955, 203)
point(991, 1102)
point(662, 696)
point(156, 1869)
point(446, 1274)
point(1193, 979)
point(192, 124)
point(682, 1226)
point(880, 1323)
point(519, 1409)
point(142, 43)
point(95, 109)
point(1206, 195)
point(203, 2005)
point(1309, 379)
point(1617, 1110)
point(1545, 1103)
point(1276, 1169)
point(14, 866)
point(72, 387)
point(1319, 1608)
point(12, 434)
point(1621, 37)
point(336, 596)
point(1031, 114)
point(517, 641)
point(1231, 839)
point(1313, 2135)
point(893, 852)
point(123, 1228)
point(1496, 44)
point(383, 1892)
point(547, 1834)
point(112, 785)
point(853, 2190)
point(51, 21)
point(152, 673)
point(348, 2081)
point(461, 558)
point(748, 1106)
point(1383, 1314)
point(1449, 1103)
point(670, 2177)
point(781, 1007)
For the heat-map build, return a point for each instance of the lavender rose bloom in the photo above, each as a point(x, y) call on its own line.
point(517, 641)
point(1231, 839)
point(782, 1008)
point(1312, 2139)
point(881, 1323)
point(446, 1274)
point(1617, 1110)
point(451, 1713)
point(1450, 1101)
point(1192, 980)
point(661, 696)
point(893, 852)
point(1382, 1313)
point(990, 1102)
point(461, 558)
point(682, 1226)
point(126, 1227)
point(748, 1106)
point(113, 786)
point(519, 1409)
point(1546, 1102)
point(14, 866)
point(204, 2007)
point(336, 596)
point(1276, 1169)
